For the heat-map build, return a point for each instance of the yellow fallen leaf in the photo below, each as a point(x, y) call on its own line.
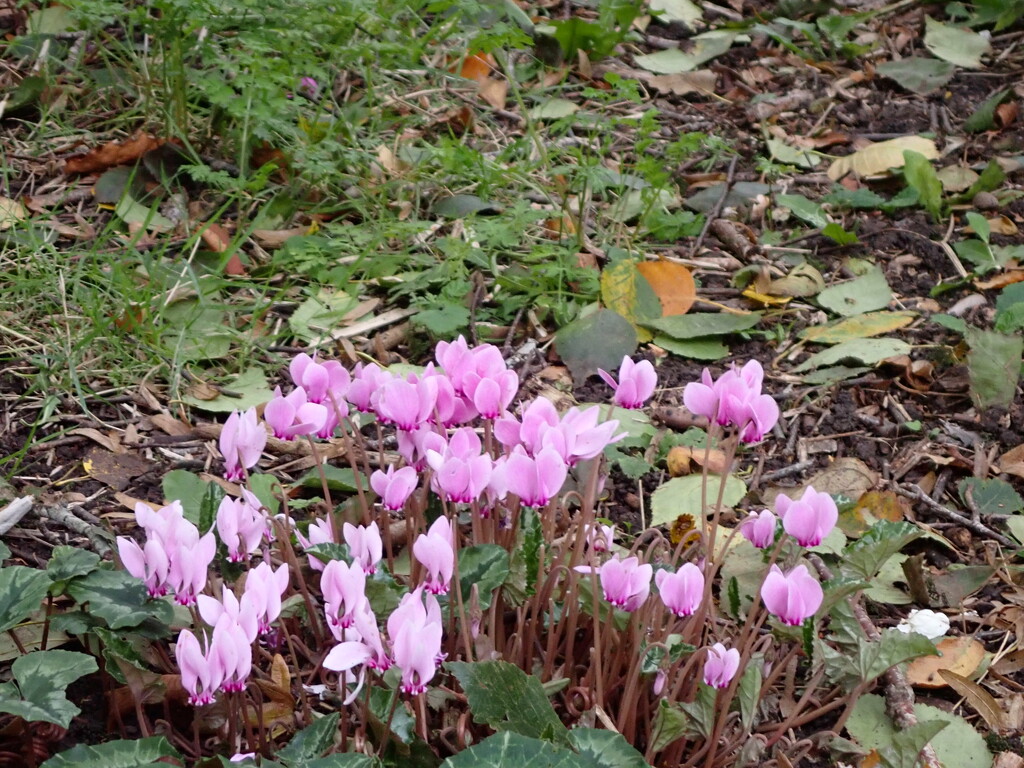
point(882, 156)
point(960, 655)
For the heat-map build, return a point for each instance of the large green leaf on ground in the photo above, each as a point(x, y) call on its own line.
point(865, 557)
point(129, 753)
point(21, 591)
point(956, 45)
point(41, 678)
point(248, 389)
point(990, 497)
point(599, 340)
point(874, 658)
point(918, 74)
point(119, 599)
point(682, 496)
point(857, 327)
point(483, 565)
point(507, 699)
point(866, 293)
point(513, 750)
point(704, 324)
point(993, 366)
point(705, 47)
point(921, 175)
point(867, 351)
point(312, 741)
point(605, 749)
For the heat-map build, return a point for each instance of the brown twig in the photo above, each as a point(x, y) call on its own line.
point(977, 526)
point(715, 212)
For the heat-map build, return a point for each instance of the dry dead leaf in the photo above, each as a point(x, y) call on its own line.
point(112, 154)
point(700, 81)
point(882, 156)
point(1012, 462)
point(110, 442)
point(113, 469)
point(477, 66)
point(960, 655)
point(982, 701)
point(494, 92)
point(672, 283)
point(1001, 280)
point(1006, 113)
point(683, 459)
point(11, 212)
point(1001, 225)
point(275, 238)
point(170, 425)
point(217, 238)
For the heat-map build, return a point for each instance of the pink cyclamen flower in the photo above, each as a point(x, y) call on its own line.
point(242, 440)
point(736, 399)
point(366, 651)
point(394, 486)
point(232, 649)
point(681, 591)
point(325, 382)
point(201, 673)
point(635, 385)
point(626, 583)
point(366, 380)
point(721, 666)
point(291, 415)
point(406, 404)
point(190, 564)
point(416, 632)
point(240, 527)
point(264, 587)
point(364, 544)
point(535, 480)
point(309, 88)
point(600, 537)
point(148, 563)
point(435, 552)
point(759, 528)
point(791, 597)
point(462, 472)
point(344, 590)
point(808, 519)
point(241, 612)
point(319, 532)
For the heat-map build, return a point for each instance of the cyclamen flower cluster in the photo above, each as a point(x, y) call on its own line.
point(734, 399)
point(414, 628)
point(432, 412)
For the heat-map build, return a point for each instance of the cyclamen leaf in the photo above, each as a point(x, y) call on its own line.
point(21, 591)
point(507, 699)
point(129, 753)
point(864, 557)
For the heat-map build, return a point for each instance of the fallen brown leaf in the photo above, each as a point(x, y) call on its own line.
point(111, 154)
point(960, 655)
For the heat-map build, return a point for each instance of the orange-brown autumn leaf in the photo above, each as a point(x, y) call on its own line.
point(111, 154)
point(672, 283)
point(682, 459)
point(478, 67)
point(961, 655)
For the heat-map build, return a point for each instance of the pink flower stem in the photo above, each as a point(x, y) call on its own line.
point(319, 463)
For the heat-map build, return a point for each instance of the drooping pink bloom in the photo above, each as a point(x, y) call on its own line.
point(322, 381)
point(599, 537)
point(759, 528)
point(201, 674)
point(319, 533)
point(164, 523)
point(406, 404)
point(810, 518)
point(394, 486)
point(450, 356)
point(635, 385)
point(364, 544)
point(265, 586)
point(240, 527)
point(366, 380)
point(462, 472)
point(721, 666)
point(538, 417)
point(416, 636)
point(491, 393)
point(148, 562)
point(242, 440)
point(241, 612)
point(578, 436)
point(365, 649)
point(626, 583)
point(735, 398)
point(413, 445)
point(435, 551)
point(791, 597)
point(190, 564)
point(681, 591)
point(232, 650)
point(291, 415)
point(535, 480)
point(344, 590)
point(309, 88)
